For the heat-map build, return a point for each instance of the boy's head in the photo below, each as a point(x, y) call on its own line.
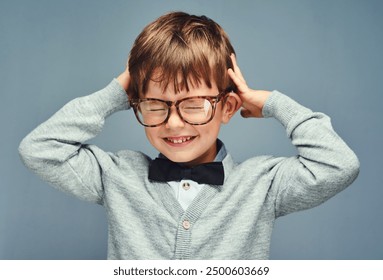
point(175, 57)
point(180, 50)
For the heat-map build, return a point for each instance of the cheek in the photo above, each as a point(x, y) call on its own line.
point(218, 114)
point(151, 132)
point(211, 129)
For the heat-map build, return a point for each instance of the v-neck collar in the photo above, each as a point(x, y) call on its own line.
point(199, 203)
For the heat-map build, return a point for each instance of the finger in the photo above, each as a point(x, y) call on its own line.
point(245, 113)
point(234, 77)
point(237, 70)
point(241, 85)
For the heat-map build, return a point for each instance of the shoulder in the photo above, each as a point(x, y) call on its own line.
point(257, 166)
point(122, 159)
point(126, 165)
point(264, 163)
point(128, 157)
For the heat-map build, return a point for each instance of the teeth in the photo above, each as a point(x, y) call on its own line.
point(180, 140)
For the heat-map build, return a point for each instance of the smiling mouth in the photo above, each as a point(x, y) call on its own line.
point(179, 140)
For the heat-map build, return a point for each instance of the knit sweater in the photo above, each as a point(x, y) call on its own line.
point(232, 221)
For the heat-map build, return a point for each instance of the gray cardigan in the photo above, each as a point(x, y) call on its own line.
point(232, 221)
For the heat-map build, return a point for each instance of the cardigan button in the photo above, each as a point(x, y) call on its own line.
point(186, 224)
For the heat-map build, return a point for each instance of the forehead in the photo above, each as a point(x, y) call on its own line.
point(157, 89)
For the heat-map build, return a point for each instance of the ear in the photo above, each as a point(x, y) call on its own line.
point(232, 103)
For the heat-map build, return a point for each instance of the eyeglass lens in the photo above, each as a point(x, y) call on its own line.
point(194, 111)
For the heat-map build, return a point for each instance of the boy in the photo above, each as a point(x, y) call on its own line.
point(193, 201)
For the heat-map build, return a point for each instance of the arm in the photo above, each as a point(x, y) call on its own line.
point(55, 150)
point(324, 166)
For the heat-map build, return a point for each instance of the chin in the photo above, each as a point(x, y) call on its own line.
point(180, 158)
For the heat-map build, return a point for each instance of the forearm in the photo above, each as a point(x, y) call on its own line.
point(78, 121)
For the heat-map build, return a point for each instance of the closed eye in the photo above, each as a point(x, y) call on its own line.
point(156, 110)
point(194, 107)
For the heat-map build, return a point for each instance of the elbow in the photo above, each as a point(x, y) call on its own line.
point(347, 170)
point(24, 150)
point(23, 147)
point(28, 152)
point(351, 168)
point(337, 174)
point(336, 178)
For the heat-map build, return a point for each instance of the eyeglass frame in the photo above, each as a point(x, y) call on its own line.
point(134, 103)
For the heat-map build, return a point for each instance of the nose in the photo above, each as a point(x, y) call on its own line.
point(174, 120)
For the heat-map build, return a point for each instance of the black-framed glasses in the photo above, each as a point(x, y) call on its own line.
point(195, 110)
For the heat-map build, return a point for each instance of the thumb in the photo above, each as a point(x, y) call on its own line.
point(245, 113)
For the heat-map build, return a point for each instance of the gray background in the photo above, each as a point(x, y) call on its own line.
point(326, 55)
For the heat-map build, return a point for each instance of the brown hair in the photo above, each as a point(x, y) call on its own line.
point(181, 49)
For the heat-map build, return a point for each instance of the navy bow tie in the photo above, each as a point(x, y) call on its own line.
point(164, 170)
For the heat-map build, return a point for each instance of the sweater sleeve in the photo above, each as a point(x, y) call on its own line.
point(324, 166)
point(55, 150)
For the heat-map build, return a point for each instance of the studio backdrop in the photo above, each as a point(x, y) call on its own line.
point(327, 55)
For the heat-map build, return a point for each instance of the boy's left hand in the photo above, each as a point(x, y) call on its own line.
point(252, 100)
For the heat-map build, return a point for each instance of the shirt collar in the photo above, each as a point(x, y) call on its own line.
point(221, 154)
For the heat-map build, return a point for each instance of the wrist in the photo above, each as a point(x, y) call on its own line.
point(262, 96)
point(123, 80)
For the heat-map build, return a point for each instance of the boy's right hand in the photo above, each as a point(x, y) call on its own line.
point(124, 79)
